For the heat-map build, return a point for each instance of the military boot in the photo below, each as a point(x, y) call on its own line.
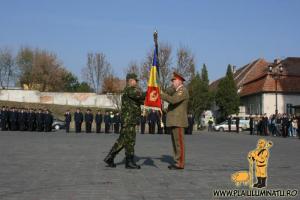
point(258, 182)
point(263, 183)
point(109, 159)
point(130, 164)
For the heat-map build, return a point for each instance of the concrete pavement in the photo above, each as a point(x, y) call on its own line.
point(69, 166)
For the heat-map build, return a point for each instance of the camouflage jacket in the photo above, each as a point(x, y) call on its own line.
point(132, 99)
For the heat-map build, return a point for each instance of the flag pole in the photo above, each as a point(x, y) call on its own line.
point(155, 37)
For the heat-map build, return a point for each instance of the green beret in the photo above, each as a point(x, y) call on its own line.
point(131, 76)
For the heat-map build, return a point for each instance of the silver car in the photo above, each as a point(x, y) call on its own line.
point(58, 124)
point(243, 125)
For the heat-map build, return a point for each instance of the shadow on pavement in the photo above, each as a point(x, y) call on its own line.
point(150, 160)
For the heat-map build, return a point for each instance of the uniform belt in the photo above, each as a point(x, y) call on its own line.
point(260, 165)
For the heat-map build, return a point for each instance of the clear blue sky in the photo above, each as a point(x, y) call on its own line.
point(218, 32)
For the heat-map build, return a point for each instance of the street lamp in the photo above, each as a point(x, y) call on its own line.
point(276, 69)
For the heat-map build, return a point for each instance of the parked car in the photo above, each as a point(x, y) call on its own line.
point(58, 124)
point(244, 125)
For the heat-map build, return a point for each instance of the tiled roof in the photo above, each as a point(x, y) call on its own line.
point(255, 78)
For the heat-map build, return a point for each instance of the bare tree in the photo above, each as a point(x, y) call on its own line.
point(41, 70)
point(133, 67)
point(7, 67)
point(185, 63)
point(165, 60)
point(113, 87)
point(112, 84)
point(96, 70)
point(47, 71)
point(116, 100)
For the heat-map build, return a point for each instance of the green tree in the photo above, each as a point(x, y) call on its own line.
point(227, 98)
point(71, 83)
point(204, 76)
point(200, 96)
point(84, 87)
point(195, 98)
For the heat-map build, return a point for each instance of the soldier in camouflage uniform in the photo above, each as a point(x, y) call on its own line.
point(132, 99)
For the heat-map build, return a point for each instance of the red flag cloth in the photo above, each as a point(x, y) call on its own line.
point(153, 99)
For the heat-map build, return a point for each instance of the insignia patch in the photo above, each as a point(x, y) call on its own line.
point(180, 93)
point(153, 96)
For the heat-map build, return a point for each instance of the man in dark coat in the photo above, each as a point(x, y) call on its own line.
point(68, 119)
point(48, 121)
point(31, 120)
point(88, 117)
point(27, 119)
point(22, 119)
point(143, 120)
point(189, 129)
point(117, 122)
point(4, 118)
point(285, 125)
point(152, 121)
point(237, 124)
point(40, 120)
point(107, 122)
point(78, 118)
point(265, 124)
point(98, 119)
point(251, 124)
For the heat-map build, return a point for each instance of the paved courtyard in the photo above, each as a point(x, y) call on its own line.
point(69, 166)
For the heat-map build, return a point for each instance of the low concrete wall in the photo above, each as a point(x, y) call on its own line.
point(29, 96)
point(60, 98)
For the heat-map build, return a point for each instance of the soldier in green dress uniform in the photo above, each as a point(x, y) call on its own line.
point(177, 118)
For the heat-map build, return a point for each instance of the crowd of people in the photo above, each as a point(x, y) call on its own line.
point(283, 125)
point(23, 119)
point(275, 125)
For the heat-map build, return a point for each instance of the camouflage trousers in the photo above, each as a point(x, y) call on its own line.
point(126, 140)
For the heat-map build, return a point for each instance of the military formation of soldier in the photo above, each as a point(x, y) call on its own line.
point(112, 121)
point(26, 119)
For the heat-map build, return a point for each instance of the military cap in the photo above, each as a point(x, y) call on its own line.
point(131, 76)
point(177, 76)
